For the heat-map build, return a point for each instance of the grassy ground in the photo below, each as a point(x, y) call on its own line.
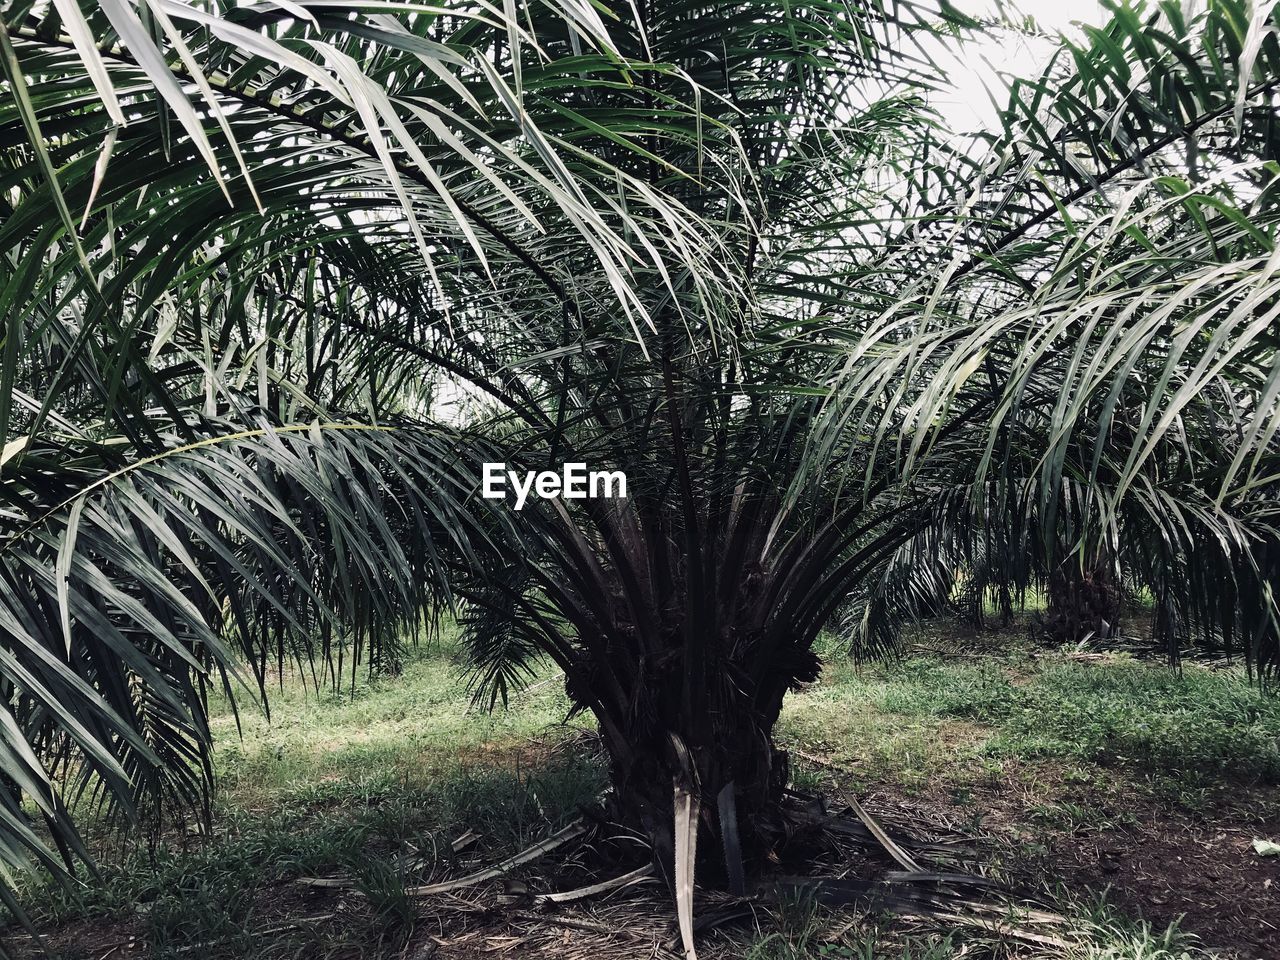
point(1133, 790)
point(1098, 776)
point(1189, 736)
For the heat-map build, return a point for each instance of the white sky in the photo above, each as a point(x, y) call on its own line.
point(971, 108)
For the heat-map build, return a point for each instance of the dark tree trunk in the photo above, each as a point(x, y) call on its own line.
point(689, 627)
point(740, 777)
point(723, 753)
point(1084, 603)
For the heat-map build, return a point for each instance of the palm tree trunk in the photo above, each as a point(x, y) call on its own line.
point(725, 755)
point(1084, 603)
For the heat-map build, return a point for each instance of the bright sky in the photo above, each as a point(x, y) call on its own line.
point(970, 107)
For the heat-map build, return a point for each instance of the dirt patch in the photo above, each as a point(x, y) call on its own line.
point(87, 938)
point(1203, 870)
point(1152, 861)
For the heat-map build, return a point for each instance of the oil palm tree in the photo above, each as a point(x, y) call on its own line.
point(281, 279)
point(1118, 322)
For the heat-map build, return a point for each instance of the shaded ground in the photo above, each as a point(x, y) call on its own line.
point(1194, 869)
point(1203, 871)
point(1085, 774)
point(1080, 775)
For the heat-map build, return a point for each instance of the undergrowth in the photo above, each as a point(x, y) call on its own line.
point(359, 783)
point(1192, 727)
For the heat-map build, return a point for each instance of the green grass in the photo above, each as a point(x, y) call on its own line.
point(410, 729)
point(909, 720)
point(1197, 727)
point(351, 784)
point(343, 784)
point(800, 929)
point(1105, 933)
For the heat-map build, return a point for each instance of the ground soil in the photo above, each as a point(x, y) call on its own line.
point(1158, 864)
point(1153, 860)
point(1202, 870)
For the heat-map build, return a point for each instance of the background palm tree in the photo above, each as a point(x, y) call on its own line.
point(728, 249)
point(1118, 319)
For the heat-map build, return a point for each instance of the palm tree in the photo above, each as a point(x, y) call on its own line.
point(280, 280)
point(1116, 319)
